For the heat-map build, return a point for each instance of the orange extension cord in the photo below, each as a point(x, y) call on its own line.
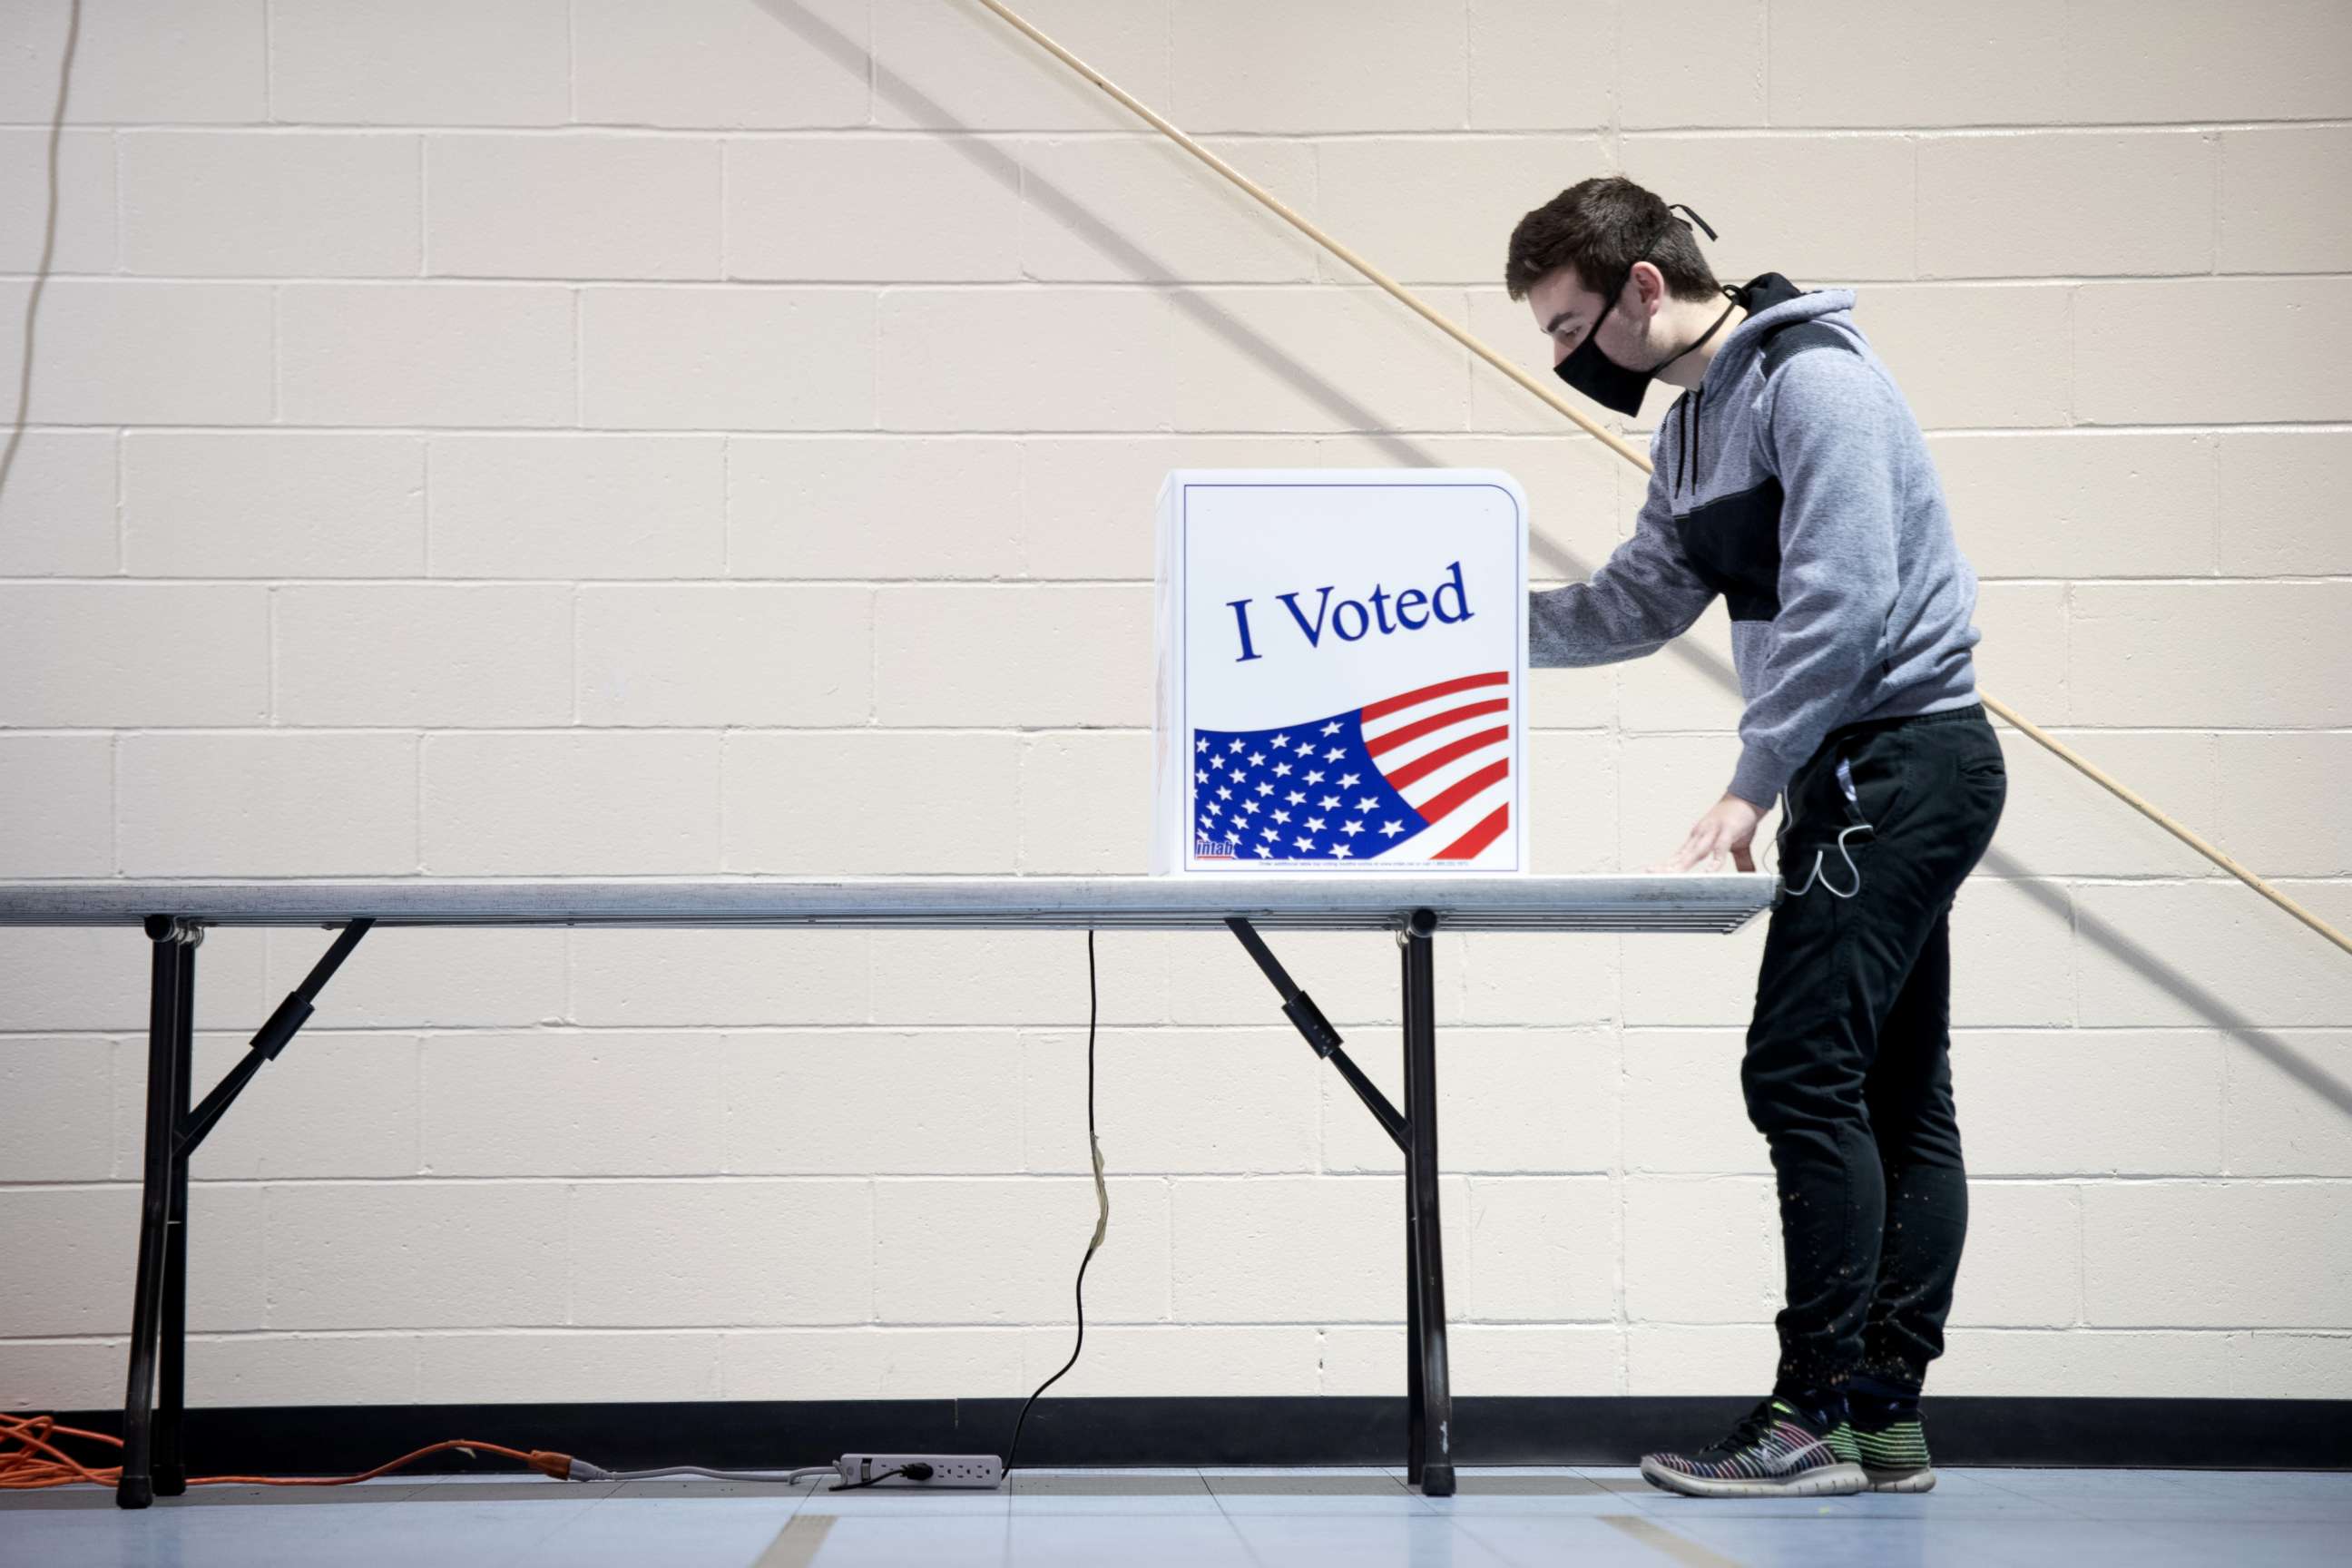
point(28, 1459)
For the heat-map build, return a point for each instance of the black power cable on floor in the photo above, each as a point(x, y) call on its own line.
point(1102, 1219)
point(918, 1471)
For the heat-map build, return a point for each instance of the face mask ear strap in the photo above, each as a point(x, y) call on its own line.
point(1731, 292)
point(1678, 207)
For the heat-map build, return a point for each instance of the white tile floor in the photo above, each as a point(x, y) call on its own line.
point(1594, 1518)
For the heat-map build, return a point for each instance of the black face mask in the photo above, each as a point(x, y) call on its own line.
point(1603, 379)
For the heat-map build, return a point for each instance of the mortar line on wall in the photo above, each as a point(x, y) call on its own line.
point(1613, 136)
point(1021, 759)
point(842, 1328)
point(727, 506)
point(425, 499)
point(277, 362)
point(2082, 1260)
point(1167, 1206)
point(2069, 299)
point(416, 1079)
point(417, 795)
point(261, 1242)
point(570, 1251)
point(1045, 731)
point(838, 1330)
point(872, 1188)
point(607, 130)
point(269, 68)
point(2220, 189)
point(121, 529)
point(113, 811)
point(1030, 284)
point(417, 1339)
point(726, 744)
point(2226, 1060)
point(114, 167)
point(2213, 508)
point(2074, 952)
point(571, 610)
point(911, 433)
point(1137, 585)
point(2066, 591)
point(1148, 1026)
point(1918, 197)
point(579, 360)
point(1620, 1182)
point(1469, 68)
point(1368, 1178)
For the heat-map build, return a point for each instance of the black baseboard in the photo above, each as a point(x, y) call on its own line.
point(2158, 1434)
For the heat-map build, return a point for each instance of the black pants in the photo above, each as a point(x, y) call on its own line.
point(1848, 1069)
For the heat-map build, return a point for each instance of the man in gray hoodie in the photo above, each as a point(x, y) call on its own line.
point(1792, 478)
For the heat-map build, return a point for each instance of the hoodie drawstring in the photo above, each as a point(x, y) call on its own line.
point(1699, 412)
point(1688, 478)
point(1690, 440)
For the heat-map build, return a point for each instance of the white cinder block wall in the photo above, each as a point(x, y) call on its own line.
point(514, 436)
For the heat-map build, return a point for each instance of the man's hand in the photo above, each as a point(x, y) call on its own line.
point(1729, 824)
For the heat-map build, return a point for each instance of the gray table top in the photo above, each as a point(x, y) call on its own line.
point(1685, 902)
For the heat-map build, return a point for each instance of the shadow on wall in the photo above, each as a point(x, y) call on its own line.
point(1139, 263)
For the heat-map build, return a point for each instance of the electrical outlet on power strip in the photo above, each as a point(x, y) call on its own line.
point(985, 1472)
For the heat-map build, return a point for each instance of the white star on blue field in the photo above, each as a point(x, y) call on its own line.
point(1309, 793)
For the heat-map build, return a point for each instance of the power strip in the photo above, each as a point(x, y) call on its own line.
point(984, 1471)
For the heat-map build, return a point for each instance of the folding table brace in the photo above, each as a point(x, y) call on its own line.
point(1429, 1396)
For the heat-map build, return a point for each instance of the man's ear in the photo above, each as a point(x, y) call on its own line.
point(1650, 286)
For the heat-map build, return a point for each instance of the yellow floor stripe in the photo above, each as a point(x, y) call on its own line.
point(797, 1544)
point(1689, 1552)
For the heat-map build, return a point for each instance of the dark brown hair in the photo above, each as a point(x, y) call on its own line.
point(1601, 226)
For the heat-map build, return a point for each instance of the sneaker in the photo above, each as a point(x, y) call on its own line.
point(1892, 1451)
point(1777, 1450)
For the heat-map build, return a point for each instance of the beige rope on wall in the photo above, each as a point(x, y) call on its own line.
point(1616, 444)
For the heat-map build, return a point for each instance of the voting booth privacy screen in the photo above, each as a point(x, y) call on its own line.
point(1340, 654)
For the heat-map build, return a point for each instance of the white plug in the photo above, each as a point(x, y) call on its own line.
point(931, 1471)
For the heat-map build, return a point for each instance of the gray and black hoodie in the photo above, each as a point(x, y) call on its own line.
point(1794, 481)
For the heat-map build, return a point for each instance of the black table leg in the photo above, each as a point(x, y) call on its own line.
point(1426, 1399)
point(171, 976)
point(154, 1460)
point(170, 1463)
point(1430, 1449)
point(1415, 1395)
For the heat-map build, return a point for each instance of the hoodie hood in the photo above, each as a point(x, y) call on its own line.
point(1771, 302)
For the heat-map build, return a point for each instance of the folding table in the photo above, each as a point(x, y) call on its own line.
point(1412, 907)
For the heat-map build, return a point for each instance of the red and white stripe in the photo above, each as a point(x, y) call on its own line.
point(1447, 750)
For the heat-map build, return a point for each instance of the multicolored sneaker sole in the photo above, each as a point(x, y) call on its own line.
point(1785, 1459)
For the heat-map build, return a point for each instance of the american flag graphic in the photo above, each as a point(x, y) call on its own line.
point(1422, 775)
